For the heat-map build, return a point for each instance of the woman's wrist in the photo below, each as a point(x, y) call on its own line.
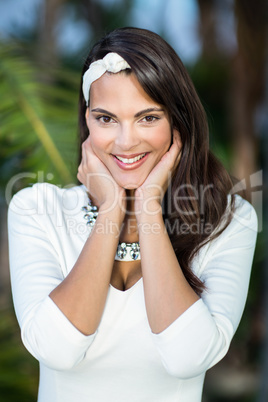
point(151, 224)
point(109, 222)
point(149, 212)
point(113, 211)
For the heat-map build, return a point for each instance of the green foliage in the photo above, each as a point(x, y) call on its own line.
point(18, 370)
point(212, 82)
point(38, 119)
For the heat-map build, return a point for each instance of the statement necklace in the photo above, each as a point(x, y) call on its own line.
point(125, 251)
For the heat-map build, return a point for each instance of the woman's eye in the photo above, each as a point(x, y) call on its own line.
point(150, 119)
point(105, 119)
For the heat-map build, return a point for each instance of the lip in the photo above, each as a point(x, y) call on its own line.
point(129, 156)
point(134, 165)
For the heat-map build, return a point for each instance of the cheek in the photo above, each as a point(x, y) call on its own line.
point(98, 139)
point(161, 139)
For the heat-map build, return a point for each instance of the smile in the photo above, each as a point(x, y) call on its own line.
point(130, 160)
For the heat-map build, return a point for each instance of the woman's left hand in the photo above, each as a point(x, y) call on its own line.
point(149, 196)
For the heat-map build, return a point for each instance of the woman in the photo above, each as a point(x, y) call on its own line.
point(139, 302)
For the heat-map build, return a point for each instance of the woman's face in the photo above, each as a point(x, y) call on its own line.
point(129, 132)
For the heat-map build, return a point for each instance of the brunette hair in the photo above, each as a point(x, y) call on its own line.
point(200, 182)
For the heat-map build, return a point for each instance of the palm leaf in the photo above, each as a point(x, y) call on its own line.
point(37, 120)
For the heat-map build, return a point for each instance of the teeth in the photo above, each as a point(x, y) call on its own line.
point(131, 160)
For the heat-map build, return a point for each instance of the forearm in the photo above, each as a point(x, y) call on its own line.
point(167, 292)
point(81, 296)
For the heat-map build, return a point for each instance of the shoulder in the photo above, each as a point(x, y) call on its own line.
point(243, 216)
point(42, 198)
point(243, 226)
point(238, 236)
point(242, 219)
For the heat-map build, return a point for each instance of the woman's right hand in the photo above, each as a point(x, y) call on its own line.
point(102, 187)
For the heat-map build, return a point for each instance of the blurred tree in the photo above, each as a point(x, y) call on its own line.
point(207, 28)
point(102, 16)
point(248, 82)
point(243, 88)
point(46, 49)
point(211, 75)
point(231, 82)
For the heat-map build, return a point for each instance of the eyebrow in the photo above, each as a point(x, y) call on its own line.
point(138, 114)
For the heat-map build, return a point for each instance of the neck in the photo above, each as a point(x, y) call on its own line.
point(129, 232)
point(130, 197)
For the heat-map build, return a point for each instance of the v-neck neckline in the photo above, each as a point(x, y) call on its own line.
point(129, 290)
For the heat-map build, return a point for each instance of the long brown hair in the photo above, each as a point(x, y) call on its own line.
point(198, 196)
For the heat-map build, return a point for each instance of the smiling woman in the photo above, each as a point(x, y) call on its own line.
point(140, 300)
point(130, 138)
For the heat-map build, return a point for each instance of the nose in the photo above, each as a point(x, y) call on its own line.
point(127, 137)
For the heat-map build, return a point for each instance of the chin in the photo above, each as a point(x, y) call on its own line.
point(131, 182)
point(128, 186)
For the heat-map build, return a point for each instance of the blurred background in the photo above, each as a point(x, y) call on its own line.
point(223, 43)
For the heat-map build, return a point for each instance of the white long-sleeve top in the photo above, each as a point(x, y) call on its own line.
point(123, 360)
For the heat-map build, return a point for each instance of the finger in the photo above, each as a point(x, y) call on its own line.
point(177, 161)
point(84, 158)
point(178, 152)
point(172, 155)
point(87, 151)
point(87, 143)
point(177, 138)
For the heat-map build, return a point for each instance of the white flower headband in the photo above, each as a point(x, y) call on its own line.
point(112, 62)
